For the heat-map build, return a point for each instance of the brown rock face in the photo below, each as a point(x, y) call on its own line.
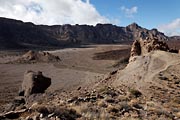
point(34, 83)
point(147, 45)
point(136, 48)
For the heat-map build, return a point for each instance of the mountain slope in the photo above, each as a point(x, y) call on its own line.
point(17, 34)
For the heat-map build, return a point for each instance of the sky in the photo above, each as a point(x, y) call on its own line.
point(161, 14)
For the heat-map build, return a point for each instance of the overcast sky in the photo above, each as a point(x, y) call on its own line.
point(161, 14)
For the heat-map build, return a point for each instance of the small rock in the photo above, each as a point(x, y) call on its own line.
point(19, 100)
point(163, 78)
point(126, 114)
point(57, 118)
point(110, 100)
point(72, 99)
point(36, 117)
point(113, 72)
point(102, 103)
point(133, 102)
point(93, 99)
point(80, 99)
point(33, 106)
point(79, 88)
point(177, 115)
point(50, 115)
point(134, 114)
point(41, 115)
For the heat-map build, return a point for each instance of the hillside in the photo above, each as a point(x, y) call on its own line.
point(17, 34)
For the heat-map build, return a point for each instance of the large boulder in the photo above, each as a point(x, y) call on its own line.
point(34, 82)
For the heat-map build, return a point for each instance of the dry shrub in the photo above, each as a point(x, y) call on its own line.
point(62, 112)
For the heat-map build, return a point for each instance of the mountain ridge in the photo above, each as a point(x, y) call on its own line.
point(18, 34)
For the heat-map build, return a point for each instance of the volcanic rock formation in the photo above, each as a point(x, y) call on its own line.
point(35, 56)
point(144, 46)
point(34, 83)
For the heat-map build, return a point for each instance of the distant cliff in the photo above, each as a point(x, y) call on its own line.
point(17, 34)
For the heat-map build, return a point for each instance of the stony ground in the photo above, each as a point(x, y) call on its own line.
point(88, 89)
point(77, 68)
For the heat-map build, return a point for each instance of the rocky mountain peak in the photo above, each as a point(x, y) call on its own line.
point(133, 26)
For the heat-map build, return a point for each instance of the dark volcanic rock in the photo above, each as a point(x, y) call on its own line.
point(17, 34)
point(34, 83)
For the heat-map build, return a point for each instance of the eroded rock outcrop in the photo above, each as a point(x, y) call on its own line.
point(35, 56)
point(144, 46)
point(34, 82)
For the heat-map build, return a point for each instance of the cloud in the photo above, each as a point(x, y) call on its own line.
point(52, 12)
point(172, 28)
point(129, 12)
